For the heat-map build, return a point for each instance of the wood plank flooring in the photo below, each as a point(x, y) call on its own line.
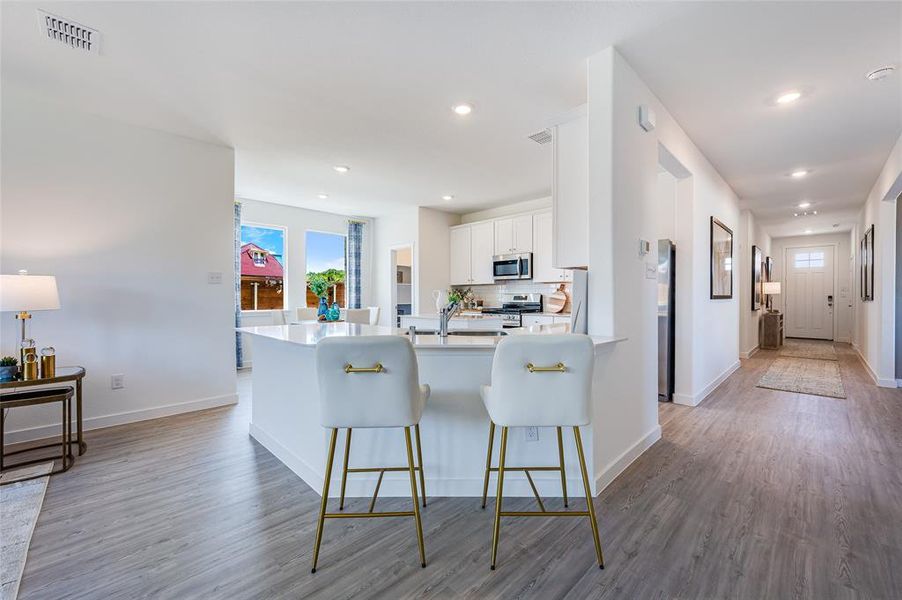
point(753, 494)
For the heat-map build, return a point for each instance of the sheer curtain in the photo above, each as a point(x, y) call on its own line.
point(238, 357)
point(355, 252)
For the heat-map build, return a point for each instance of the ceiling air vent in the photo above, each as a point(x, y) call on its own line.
point(543, 137)
point(68, 32)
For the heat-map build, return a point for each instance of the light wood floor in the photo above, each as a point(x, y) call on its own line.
point(753, 494)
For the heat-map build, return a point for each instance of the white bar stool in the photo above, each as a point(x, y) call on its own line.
point(370, 382)
point(540, 381)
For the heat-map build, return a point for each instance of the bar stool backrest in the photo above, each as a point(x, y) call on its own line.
point(542, 380)
point(385, 394)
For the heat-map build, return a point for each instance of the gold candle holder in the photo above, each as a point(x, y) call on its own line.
point(25, 348)
point(48, 362)
point(30, 367)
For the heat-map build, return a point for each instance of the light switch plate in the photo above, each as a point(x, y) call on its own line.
point(214, 277)
point(532, 434)
point(117, 382)
point(651, 271)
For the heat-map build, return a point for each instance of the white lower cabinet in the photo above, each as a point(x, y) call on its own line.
point(530, 320)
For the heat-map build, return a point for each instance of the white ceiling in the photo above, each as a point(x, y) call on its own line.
point(299, 87)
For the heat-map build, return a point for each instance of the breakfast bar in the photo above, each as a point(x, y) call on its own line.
point(286, 413)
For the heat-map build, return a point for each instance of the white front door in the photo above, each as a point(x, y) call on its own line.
point(809, 292)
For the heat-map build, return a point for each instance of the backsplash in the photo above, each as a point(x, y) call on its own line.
point(491, 295)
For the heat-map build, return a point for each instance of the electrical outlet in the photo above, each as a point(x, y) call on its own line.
point(532, 434)
point(214, 277)
point(117, 382)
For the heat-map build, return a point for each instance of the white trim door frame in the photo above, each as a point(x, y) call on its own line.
point(799, 326)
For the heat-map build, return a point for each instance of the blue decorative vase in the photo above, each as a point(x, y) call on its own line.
point(334, 313)
point(322, 309)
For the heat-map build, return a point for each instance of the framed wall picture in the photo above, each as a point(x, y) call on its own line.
point(869, 264)
point(757, 266)
point(721, 261)
point(862, 262)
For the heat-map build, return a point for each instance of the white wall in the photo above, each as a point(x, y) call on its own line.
point(843, 260)
point(130, 221)
point(623, 187)
point(433, 256)
point(875, 320)
point(507, 210)
point(750, 234)
point(390, 231)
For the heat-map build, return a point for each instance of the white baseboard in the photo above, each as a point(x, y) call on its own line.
point(748, 353)
point(397, 485)
point(695, 400)
point(842, 339)
point(609, 473)
point(881, 382)
point(123, 418)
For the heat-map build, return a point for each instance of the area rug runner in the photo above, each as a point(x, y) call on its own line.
point(806, 376)
point(20, 503)
point(816, 349)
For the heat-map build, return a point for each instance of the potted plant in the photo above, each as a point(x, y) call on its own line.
point(319, 285)
point(8, 368)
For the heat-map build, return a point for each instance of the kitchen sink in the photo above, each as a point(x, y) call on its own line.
point(461, 332)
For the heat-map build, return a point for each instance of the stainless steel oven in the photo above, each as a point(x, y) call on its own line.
point(512, 266)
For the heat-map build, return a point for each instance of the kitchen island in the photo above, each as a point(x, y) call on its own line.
point(286, 415)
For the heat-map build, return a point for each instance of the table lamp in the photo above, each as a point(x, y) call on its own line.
point(771, 288)
point(23, 293)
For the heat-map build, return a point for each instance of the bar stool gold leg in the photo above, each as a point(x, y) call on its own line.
point(344, 472)
point(488, 463)
point(325, 499)
point(497, 531)
point(413, 495)
point(560, 451)
point(416, 429)
point(591, 505)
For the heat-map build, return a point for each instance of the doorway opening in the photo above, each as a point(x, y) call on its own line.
point(402, 283)
point(673, 231)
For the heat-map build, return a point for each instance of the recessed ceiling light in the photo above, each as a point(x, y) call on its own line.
point(804, 204)
point(807, 231)
point(462, 109)
point(795, 214)
point(341, 168)
point(788, 97)
point(322, 196)
point(884, 71)
point(799, 174)
point(814, 212)
point(447, 197)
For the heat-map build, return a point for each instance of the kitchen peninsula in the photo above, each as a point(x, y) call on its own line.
point(285, 415)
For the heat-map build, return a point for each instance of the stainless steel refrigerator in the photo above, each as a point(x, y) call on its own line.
point(666, 318)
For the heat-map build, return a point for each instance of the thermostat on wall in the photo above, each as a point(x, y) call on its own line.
point(646, 118)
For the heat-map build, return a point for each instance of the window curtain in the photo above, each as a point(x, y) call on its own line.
point(238, 354)
point(355, 251)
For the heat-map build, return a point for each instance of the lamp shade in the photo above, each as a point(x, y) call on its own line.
point(28, 292)
point(771, 288)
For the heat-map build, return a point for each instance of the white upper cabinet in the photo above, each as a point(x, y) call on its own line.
point(472, 249)
point(482, 249)
point(460, 255)
point(513, 234)
point(570, 194)
point(542, 268)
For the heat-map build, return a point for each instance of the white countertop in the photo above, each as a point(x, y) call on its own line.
point(464, 316)
point(308, 334)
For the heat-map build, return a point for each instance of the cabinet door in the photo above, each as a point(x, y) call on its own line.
point(542, 270)
point(460, 256)
point(530, 320)
point(504, 236)
point(482, 248)
point(522, 230)
point(570, 194)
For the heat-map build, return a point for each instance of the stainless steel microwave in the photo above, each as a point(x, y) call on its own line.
point(512, 266)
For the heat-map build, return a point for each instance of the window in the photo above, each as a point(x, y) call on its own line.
point(262, 267)
point(326, 267)
point(808, 260)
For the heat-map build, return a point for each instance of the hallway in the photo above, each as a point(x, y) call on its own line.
point(754, 493)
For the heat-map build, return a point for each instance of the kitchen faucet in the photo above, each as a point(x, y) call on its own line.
point(447, 312)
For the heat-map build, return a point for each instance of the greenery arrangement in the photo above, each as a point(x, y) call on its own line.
point(8, 361)
point(460, 296)
point(319, 283)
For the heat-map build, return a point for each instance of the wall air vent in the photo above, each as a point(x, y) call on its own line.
point(543, 137)
point(68, 32)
